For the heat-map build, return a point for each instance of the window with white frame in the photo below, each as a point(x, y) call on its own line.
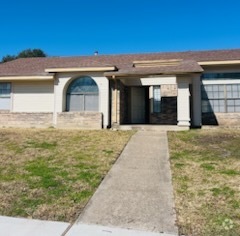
point(156, 99)
point(221, 98)
point(5, 96)
point(82, 95)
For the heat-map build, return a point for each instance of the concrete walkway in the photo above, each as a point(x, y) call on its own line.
point(136, 194)
point(10, 226)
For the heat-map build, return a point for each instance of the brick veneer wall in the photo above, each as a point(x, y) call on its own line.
point(222, 119)
point(124, 96)
point(25, 119)
point(80, 120)
point(168, 114)
point(169, 90)
point(75, 120)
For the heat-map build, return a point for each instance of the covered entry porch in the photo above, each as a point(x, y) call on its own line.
point(155, 100)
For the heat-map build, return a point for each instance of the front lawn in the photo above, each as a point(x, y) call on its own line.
point(206, 177)
point(51, 174)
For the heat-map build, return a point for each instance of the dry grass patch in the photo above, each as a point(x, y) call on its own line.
point(51, 174)
point(206, 176)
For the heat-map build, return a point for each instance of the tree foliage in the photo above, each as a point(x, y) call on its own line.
point(8, 58)
point(24, 54)
point(31, 53)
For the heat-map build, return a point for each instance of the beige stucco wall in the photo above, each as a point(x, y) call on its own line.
point(32, 96)
point(149, 81)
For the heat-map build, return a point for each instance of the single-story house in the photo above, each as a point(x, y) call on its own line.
point(185, 89)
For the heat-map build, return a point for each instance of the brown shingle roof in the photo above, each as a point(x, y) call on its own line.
point(37, 65)
point(124, 62)
point(185, 66)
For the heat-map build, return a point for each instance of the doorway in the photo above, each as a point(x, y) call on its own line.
point(139, 105)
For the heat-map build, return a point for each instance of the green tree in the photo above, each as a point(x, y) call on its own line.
point(8, 58)
point(25, 53)
point(31, 53)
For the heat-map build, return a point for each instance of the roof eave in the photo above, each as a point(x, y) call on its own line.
point(122, 74)
point(26, 77)
point(81, 69)
point(212, 63)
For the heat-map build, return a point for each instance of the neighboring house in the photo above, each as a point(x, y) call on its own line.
point(192, 88)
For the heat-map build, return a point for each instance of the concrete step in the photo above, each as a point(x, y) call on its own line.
point(152, 127)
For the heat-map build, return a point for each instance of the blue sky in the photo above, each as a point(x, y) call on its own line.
point(71, 27)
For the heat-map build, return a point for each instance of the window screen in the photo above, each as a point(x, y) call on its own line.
point(83, 95)
point(5, 96)
point(221, 98)
point(156, 99)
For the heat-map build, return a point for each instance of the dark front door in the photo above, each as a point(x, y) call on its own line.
point(138, 105)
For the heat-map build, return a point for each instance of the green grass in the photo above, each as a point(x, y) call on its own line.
point(51, 174)
point(207, 166)
point(230, 172)
point(206, 175)
point(43, 145)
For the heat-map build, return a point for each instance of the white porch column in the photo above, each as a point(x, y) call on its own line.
point(183, 102)
point(196, 93)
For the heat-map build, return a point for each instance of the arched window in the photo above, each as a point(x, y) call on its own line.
point(82, 95)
